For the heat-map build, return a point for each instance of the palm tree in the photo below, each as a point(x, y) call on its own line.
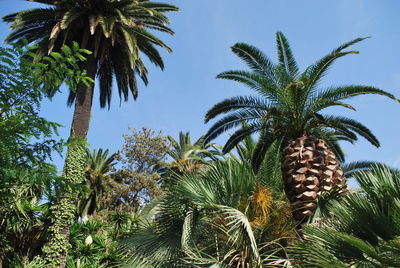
point(98, 166)
point(288, 115)
point(363, 229)
point(117, 32)
point(188, 157)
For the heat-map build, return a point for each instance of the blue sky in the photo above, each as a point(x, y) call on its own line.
point(178, 98)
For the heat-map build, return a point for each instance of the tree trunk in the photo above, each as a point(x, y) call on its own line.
point(309, 169)
point(63, 212)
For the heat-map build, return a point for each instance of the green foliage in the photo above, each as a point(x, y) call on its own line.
point(64, 210)
point(97, 181)
point(218, 212)
point(352, 168)
point(118, 34)
point(288, 104)
point(123, 223)
point(188, 157)
point(23, 217)
point(221, 215)
point(93, 244)
point(364, 227)
point(25, 78)
point(270, 172)
point(26, 143)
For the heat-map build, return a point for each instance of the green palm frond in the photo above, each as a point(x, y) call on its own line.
point(352, 168)
point(187, 156)
point(285, 56)
point(236, 118)
point(344, 123)
point(222, 183)
point(270, 172)
point(256, 60)
point(235, 103)
point(98, 166)
point(346, 92)
point(246, 148)
point(154, 250)
point(381, 184)
point(240, 135)
point(317, 70)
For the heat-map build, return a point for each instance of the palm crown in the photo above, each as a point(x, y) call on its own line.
point(289, 102)
point(115, 31)
point(187, 156)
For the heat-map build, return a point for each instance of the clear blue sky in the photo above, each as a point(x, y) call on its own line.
point(178, 98)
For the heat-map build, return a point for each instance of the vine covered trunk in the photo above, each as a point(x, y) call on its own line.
point(55, 252)
point(309, 169)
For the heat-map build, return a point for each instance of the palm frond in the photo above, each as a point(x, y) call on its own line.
point(256, 60)
point(233, 120)
point(240, 135)
point(270, 173)
point(285, 56)
point(351, 168)
point(240, 230)
point(236, 103)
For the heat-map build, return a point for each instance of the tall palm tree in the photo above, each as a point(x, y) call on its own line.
point(117, 32)
point(288, 113)
point(98, 166)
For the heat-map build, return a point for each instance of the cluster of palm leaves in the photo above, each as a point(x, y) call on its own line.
point(115, 31)
point(98, 180)
point(188, 157)
point(221, 215)
point(289, 103)
point(362, 230)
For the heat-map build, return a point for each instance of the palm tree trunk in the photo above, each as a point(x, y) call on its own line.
point(309, 169)
point(63, 212)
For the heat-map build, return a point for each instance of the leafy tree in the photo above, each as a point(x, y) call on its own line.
point(117, 32)
point(363, 229)
point(288, 114)
point(25, 79)
point(26, 144)
point(138, 180)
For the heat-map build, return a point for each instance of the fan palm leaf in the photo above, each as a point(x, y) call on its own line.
point(363, 228)
point(213, 217)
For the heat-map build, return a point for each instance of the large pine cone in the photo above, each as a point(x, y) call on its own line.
point(309, 168)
